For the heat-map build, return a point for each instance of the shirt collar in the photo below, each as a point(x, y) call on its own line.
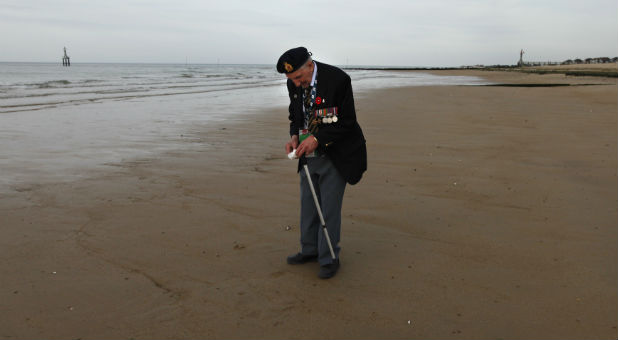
point(315, 73)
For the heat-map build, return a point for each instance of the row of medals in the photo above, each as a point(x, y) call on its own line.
point(328, 120)
point(314, 121)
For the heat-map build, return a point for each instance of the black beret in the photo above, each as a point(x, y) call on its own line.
point(292, 60)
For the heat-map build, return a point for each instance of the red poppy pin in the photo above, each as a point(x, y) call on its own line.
point(318, 100)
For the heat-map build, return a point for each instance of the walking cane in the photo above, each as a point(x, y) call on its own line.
point(303, 161)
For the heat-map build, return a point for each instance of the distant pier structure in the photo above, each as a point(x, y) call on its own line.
point(66, 61)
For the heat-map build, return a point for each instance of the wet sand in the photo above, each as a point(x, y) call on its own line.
point(486, 212)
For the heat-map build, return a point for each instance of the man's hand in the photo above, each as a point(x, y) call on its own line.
point(307, 146)
point(292, 144)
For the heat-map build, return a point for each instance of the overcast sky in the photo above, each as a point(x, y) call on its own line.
point(379, 32)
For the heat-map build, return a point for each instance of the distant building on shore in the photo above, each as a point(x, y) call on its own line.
point(601, 60)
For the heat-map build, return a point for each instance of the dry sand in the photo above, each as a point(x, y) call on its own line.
point(486, 212)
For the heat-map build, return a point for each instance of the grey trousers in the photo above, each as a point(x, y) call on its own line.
point(329, 187)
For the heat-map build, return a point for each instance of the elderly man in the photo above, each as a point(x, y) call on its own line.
point(323, 129)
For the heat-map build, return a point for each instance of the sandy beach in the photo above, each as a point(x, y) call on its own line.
point(487, 212)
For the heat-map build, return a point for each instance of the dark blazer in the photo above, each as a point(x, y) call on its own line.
point(343, 141)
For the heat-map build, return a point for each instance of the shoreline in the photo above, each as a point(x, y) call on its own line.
point(607, 70)
point(481, 207)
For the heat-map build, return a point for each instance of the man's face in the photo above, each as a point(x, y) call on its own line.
point(302, 76)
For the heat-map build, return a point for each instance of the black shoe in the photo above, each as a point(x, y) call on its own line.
point(300, 258)
point(329, 270)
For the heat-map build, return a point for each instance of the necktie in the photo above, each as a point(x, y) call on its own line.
point(310, 119)
point(307, 104)
point(307, 99)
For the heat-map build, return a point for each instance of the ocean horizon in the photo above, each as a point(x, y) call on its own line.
point(273, 66)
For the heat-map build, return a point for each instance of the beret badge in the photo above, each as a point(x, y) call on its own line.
point(288, 67)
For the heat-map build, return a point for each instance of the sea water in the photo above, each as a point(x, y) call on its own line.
point(56, 122)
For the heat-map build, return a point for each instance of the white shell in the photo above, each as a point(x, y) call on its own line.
point(292, 155)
